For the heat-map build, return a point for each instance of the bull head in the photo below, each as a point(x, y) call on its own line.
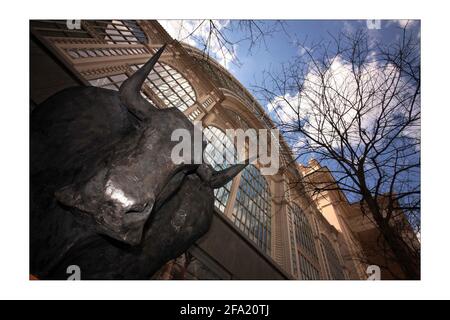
point(135, 178)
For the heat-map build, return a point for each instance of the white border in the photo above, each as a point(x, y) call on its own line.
point(14, 160)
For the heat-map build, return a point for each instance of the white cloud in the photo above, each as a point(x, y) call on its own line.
point(402, 23)
point(342, 89)
point(406, 23)
point(302, 50)
point(348, 27)
point(286, 107)
point(196, 33)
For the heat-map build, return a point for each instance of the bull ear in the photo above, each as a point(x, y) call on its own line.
point(220, 178)
point(130, 90)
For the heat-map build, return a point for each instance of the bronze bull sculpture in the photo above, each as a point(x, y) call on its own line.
point(105, 194)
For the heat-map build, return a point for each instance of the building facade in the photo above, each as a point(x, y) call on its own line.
point(264, 227)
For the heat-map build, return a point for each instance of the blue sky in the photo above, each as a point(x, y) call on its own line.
point(282, 46)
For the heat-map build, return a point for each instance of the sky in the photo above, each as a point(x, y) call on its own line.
point(281, 46)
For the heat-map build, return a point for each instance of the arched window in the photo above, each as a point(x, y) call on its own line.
point(252, 209)
point(219, 144)
point(165, 82)
point(304, 240)
point(292, 243)
point(120, 31)
point(170, 86)
point(334, 265)
point(308, 270)
point(110, 82)
point(303, 232)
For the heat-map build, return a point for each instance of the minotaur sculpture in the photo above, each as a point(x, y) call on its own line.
point(105, 194)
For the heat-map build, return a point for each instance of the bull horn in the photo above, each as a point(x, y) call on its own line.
point(221, 178)
point(130, 90)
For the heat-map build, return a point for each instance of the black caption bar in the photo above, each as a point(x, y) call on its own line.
point(214, 309)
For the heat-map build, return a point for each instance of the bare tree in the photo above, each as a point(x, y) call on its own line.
point(218, 38)
point(354, 105)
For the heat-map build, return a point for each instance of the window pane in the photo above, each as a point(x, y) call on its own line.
point(333, 260)
point(253, 189)
point(214, 152)
point(166, 83)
